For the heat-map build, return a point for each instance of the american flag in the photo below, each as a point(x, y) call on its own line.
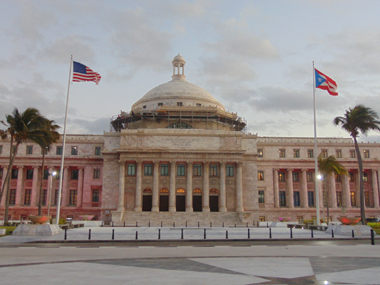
point(84, 73)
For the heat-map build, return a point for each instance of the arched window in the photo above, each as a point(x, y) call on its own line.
point(179, 125)
point(197, 191)
point(147, 191)
point(214, 191)
point(181, 191)
point(164, 190)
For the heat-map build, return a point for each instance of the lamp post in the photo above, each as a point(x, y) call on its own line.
point(53, 173)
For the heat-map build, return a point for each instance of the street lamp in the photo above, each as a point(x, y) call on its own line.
point(53, 173)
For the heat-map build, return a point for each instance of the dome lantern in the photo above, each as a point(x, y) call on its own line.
point(178, 68)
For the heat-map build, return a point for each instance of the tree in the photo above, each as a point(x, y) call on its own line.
point(358, 120)
point(329, 166)
point(48, 136)
point(21, 127)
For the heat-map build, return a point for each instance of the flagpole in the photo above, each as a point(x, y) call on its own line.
point(63, 147)
point(315, 153)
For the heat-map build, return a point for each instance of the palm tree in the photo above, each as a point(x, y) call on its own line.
point(21, 127)
point(329, 166)
point(48, 136)
point(360, 119)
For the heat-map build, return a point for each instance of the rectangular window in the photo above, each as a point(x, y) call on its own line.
point(365, 176)
point(310, 153)
point(97, 173)
point(296, 153)
point(366, 198)
point(310, 198)
point(1, 149)
point(12, 196)
point(58, 151)
point(198, 105)
point(197, 170)
point(352, 153)
point(282, 153)
point(296, 177)
point(309, 176)
point(74, 174)
point(160, 104)
point(282, 195)
point(180, 170)
point(95, 196)
point(56, 197)
point(98, 150)
point(29, 174)
point(14, 149)
point(351, 176)
point(14, 173)
point(73, 198)
point(46, 151)
point(148, 169)
point(353, 198)
point(296, 198)
point(27, 196)
point(338, 178)
point(131, 170)
point(164, 170)
point(261, 197)
point(44, 197)
point(338, 153)
point(260, 176)
point(324, 153)
point(230, 170)
point(179, 104)
point(74, 150)
point(213, 170)
point(281, 176)
point(46, 173)
point(339, 199)
point(366, 153)
point(260, 152)
point(29, 149)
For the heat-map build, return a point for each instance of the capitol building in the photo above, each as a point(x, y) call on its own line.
point(178, 156)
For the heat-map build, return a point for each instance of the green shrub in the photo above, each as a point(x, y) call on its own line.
point(309, 221)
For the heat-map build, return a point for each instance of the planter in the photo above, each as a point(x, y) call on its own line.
point(86, 217)
point(39, 220)
point(348, 221)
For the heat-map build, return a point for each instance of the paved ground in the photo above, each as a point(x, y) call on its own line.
point(321, 260)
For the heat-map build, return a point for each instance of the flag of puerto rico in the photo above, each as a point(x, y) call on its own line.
point(324, 82)
point(84, 73)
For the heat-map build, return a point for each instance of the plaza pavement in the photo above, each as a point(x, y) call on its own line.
point(238, 260)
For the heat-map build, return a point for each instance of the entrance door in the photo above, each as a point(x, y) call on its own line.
point(164, 203)
point(197, 203)
point(181, 203)
point(147, 203)
point(214, 203)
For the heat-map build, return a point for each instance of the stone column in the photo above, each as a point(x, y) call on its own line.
point(189, 187)
point(239, 188)
point(138, 197)
point(222, 195)
point(346, 192)
point(155, 196)
point(375, 189)
point(304, 196)
point(20, 188)
point(121, 207)
point(332, 199)
point(276, 189)
point(65, 187)
point(206, 187)
point(33, 198)
point(80, 186)
point(290, 189)
point(172, 205)
point(5, 171)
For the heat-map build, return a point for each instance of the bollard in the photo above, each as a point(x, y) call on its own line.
point(102, 223)
point(235, 225)
point(270, 232)
point(198, 224)
point(124, 224)
point(372, 237)
point(137, 235)
point(181, 233)
point(210, 224)
point(312, 233)
point(149, 225)
point(291, 232)
point(89, 234)
point(204, 233)
point(186, 224)
point(112, 223)
point(65, 234)
point(249, 234)
point(227, 234)
point(353, 233)
point(161, 224)
point(173, 224)
point(159, 233)
point(332, 233)
point(113, 234)
point(223, 224)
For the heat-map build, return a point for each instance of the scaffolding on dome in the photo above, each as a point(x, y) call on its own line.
point(179, 118)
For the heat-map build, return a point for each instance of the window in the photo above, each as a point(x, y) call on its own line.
point(198, 105)
point(74, 150)
point(352, 153)
point(338, 153)
point(282, 153)
point(310, 153)
point(338, 178)
point(164, 169)
point(73, 198)
point(1, 149)
point(131, 169)
point(353, 198)
point(46, 173)
point(310, 198)
point(213, 170)
point(282, 198)
point(144, 107)
point(160, 104)
point(29, 174)
point(14, 173)
point(309, 176)
point(12, 196)
point(1, 173)
point(296, 198)
point(296, 153)
point(44, 197)
point(179, 104)
point(261, 197)
point(148, 169)
point(197, 170)
point(366, 153)
point(56, 197)
point(339, 199)
point(281, 176)
point(98, 150)
point(262, 219)
point(74, 174)
point(260, 152)
point(296, 177)
point(29, 149)
point(351, 177)
point(97, 173)
point(27, 196)
point(230, 170)
point(58, 150)
point(180, 170)
point(365, 176)
point(95, 196)
point(14, 149)
point(46, 151)
point(366, 198)
point(260, 176)
point(324, 153)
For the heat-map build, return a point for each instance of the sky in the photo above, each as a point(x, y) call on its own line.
point(255, 57)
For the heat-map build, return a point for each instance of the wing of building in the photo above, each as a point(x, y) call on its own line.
point(179, 156)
